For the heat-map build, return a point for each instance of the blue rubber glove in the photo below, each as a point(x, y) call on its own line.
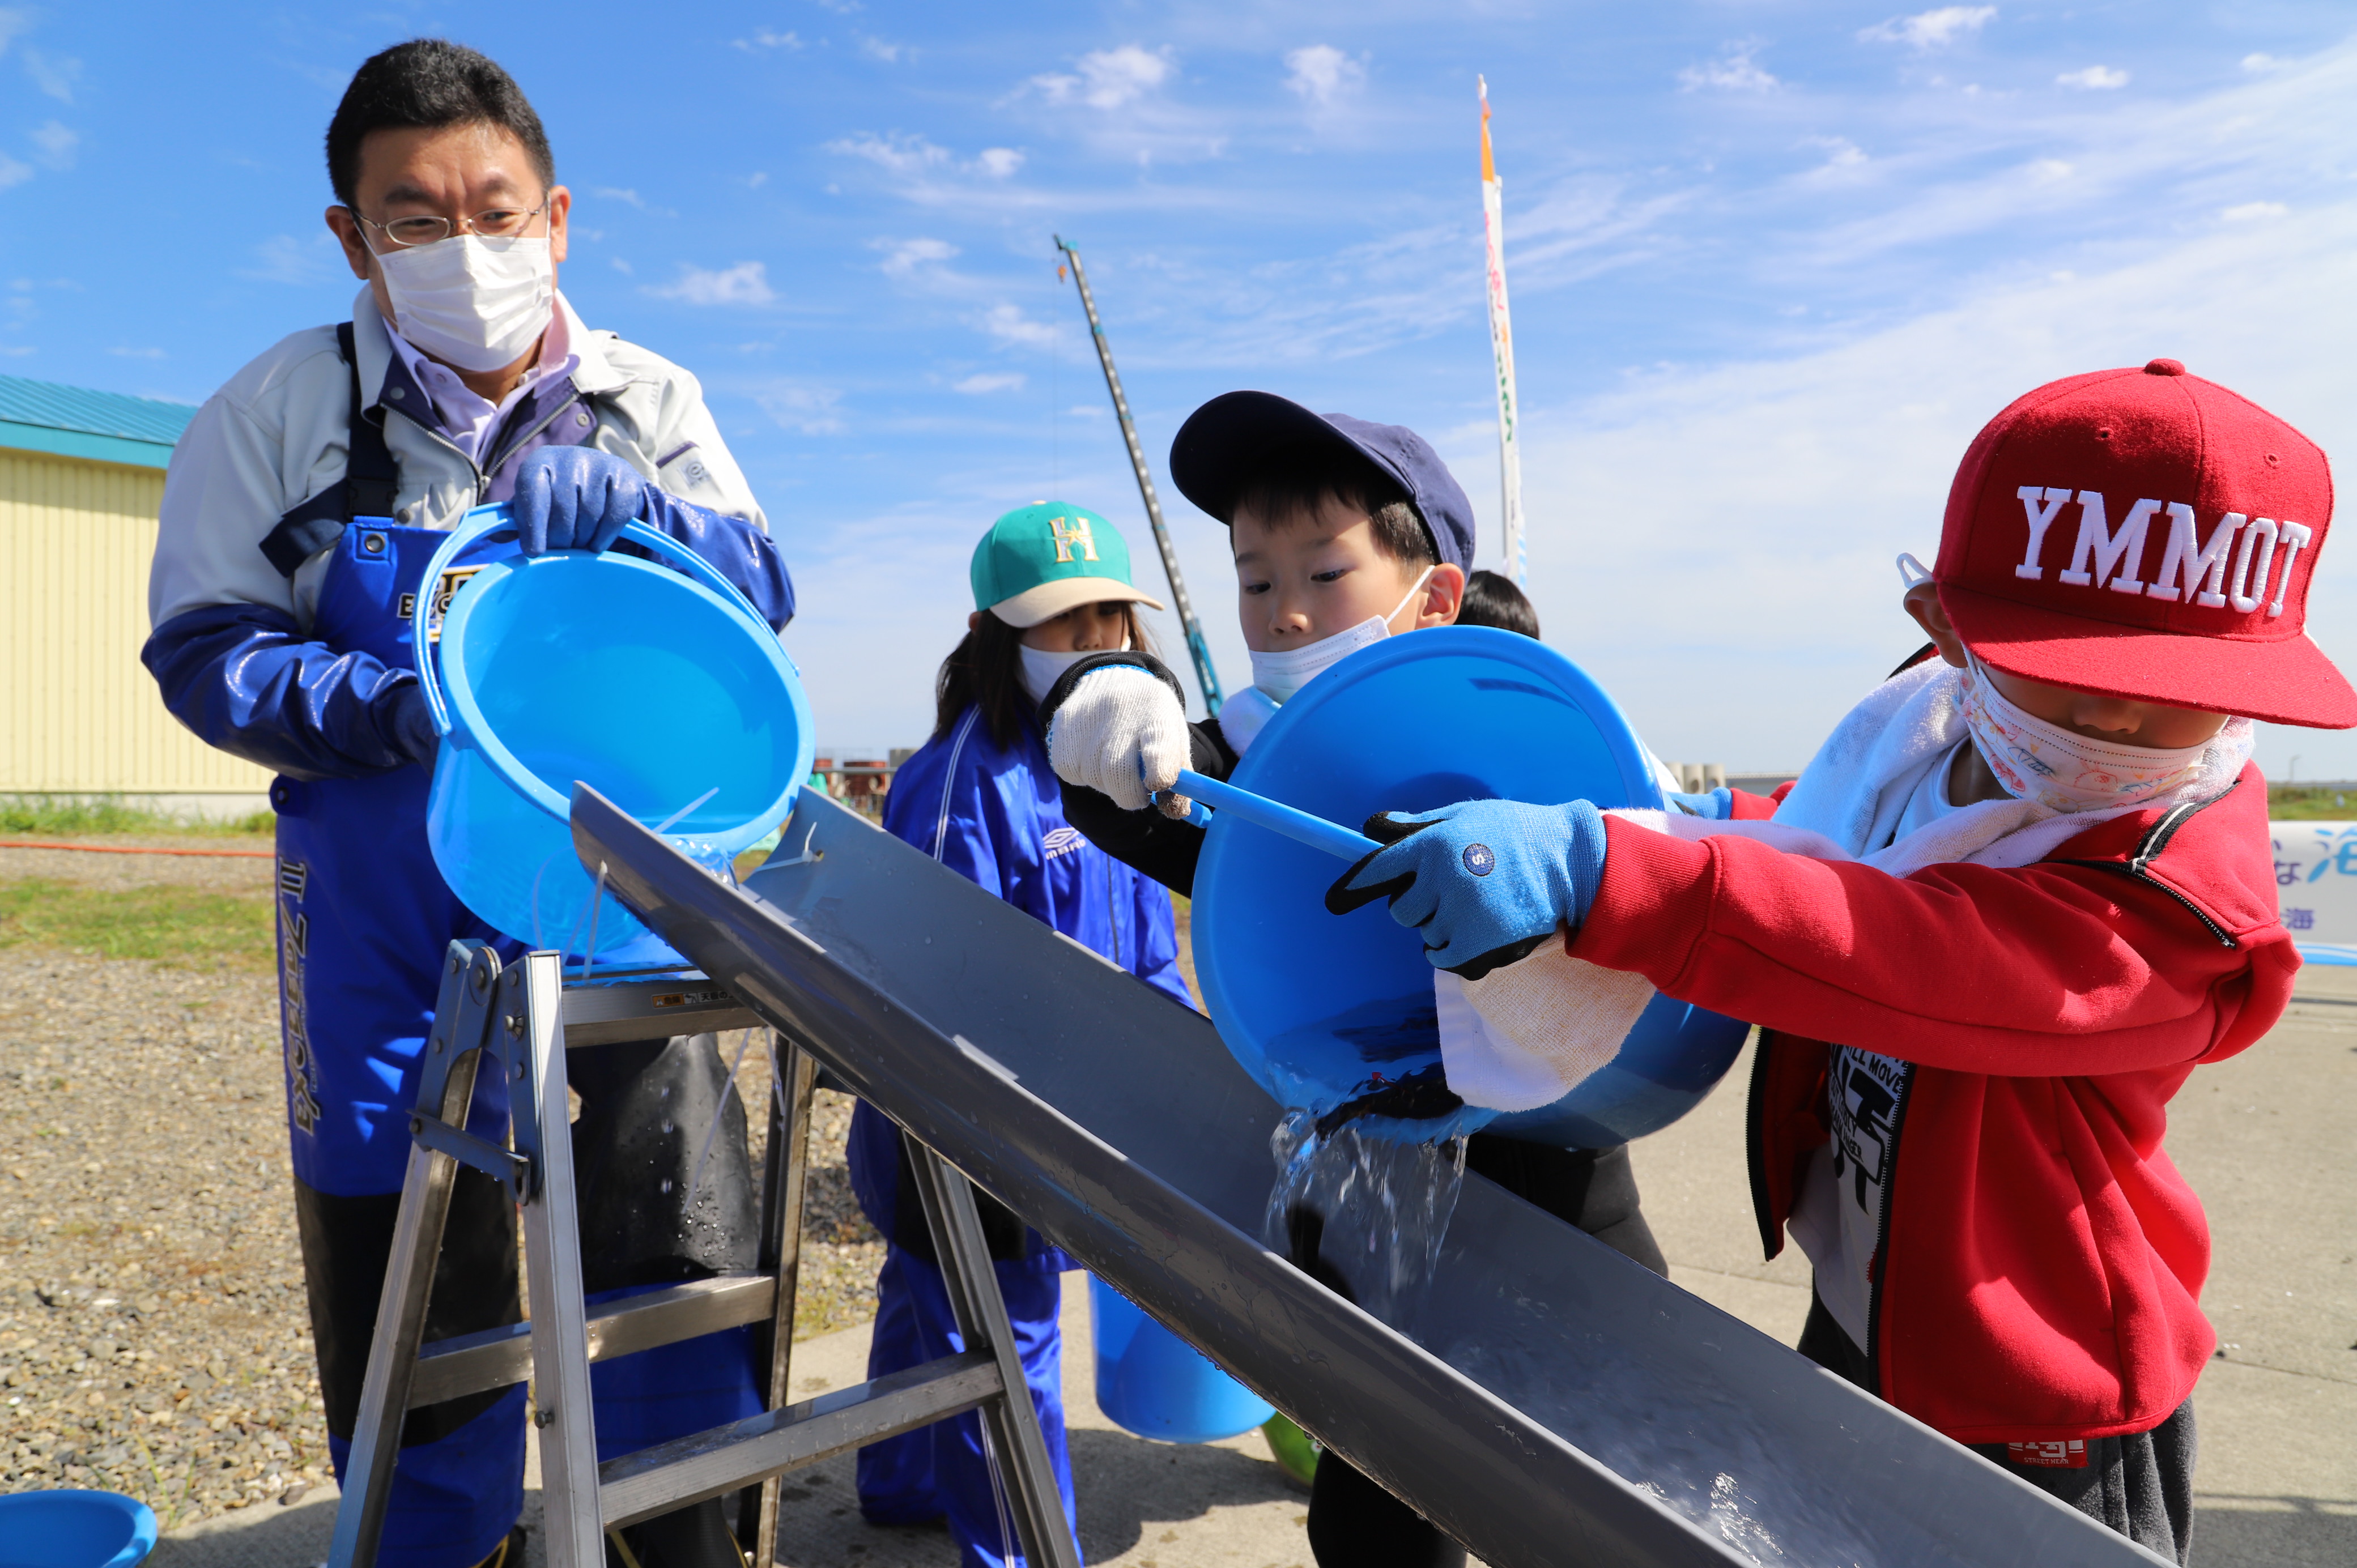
point(575, 498)
point(1485, 881)
point(1718, 805)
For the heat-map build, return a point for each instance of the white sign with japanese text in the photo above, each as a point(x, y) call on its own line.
point(2316, 883)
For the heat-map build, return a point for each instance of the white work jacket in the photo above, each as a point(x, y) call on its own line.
point(274, 436)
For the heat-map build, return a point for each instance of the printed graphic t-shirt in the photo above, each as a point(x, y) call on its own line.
point(1838, 1221)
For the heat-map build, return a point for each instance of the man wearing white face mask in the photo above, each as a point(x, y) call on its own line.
point(299, 515)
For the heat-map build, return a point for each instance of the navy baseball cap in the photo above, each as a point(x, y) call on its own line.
point(1223, 442)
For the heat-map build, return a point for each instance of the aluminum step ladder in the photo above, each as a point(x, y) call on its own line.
point(519, 1021)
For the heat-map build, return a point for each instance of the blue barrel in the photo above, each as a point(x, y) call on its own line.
point(1314, 1006)
point(665, 693)
point(1154, 1383)
point(74, 1530)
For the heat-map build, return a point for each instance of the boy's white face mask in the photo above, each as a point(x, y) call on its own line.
point(2060, 768)
point(1282, 674)
point(472, 302)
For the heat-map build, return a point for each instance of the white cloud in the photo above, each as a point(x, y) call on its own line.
point(1000, 162)
point(282, 258)
point(807, 409)
point(902, 258)
point(1928, 30)
point(2254, 209)
point(14, 24)
point(1843, 159)
point(763, 39)
point(975, 386)
point(618, 193)
point(1827, 464)
point(53, 74)
point(622, 266)
point(1010, 324)
point(901, 152)
point(876, 48)
point(17, 350)
point(57, 144)
point(136, 353)
point(747, 283)
point(2260, 62)
point(1322, 73)
point(1109, 77)
point(2094, 79)
point(13, 171)
point(1737, 69)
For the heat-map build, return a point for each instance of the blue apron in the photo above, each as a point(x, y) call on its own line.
point(364, 919)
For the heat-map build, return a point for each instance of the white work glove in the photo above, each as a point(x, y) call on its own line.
point(1121, 732)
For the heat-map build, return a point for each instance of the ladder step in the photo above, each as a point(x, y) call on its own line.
point(708, 1463)
point(601, 1013)
point(471, 1363)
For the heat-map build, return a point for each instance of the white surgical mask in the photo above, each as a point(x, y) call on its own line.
point(2060, 768)
point(472, 302)
point(1041, 670)
point(1282, 674)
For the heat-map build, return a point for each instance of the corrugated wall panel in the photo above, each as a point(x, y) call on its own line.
point(78, 710)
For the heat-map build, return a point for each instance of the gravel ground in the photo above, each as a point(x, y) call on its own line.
point(155, 1338)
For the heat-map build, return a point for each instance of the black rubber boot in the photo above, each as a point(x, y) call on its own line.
point(693, 1537)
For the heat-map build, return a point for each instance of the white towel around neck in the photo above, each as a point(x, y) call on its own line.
point(1526, 1035)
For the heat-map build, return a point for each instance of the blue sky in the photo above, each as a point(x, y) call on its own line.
point(1771, 266)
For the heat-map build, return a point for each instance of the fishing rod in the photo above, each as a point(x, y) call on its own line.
point(1197, 649)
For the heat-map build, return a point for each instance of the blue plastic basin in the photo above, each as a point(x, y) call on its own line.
point(74, 1530)
point(1312, 1005)
point(1153, 1383)
point(654, 688)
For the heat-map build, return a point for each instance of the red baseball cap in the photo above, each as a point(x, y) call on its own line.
point(2145, 535)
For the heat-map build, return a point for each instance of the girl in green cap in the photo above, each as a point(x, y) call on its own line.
point(1050, 588)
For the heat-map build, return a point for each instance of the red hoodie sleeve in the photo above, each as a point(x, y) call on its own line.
point(2036, 972)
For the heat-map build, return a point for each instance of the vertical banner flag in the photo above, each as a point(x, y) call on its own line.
point(1501, 345)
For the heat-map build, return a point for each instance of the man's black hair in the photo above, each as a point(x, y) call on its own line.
point(1493, 600)
point(430, 82)
point(1292, 482)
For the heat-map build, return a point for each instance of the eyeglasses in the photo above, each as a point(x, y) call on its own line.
point(499, 223)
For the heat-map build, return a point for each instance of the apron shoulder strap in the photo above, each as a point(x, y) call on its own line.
point(367, 489)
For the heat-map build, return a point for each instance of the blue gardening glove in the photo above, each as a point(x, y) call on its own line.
point(1485, 881)
point(575, 498)
point(1718, 805)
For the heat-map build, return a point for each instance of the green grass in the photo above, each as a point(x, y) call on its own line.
point(72, 816)
point(2311, 803)
point(184, 928)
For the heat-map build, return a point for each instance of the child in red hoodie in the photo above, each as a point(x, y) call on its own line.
point(2019, 895)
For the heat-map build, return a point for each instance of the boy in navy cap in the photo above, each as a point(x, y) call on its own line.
point(1345, 532)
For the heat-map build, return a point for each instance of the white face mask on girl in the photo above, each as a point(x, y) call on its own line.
point(472, 302)
point(2060, 768)
point(1041, 670)
point(1282, 674)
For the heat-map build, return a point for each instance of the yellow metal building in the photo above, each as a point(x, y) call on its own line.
point(82, 478)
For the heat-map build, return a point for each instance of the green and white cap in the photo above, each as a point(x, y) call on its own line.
point(1040, 560)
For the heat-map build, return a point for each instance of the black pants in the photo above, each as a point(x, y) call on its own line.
point(645, 1107)
point(2140, 1485)
point(1353, 1522)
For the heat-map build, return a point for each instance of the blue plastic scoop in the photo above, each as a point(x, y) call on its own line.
point(1277, 817)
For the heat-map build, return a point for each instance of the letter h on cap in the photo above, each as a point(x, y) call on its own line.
point(1070, 533)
